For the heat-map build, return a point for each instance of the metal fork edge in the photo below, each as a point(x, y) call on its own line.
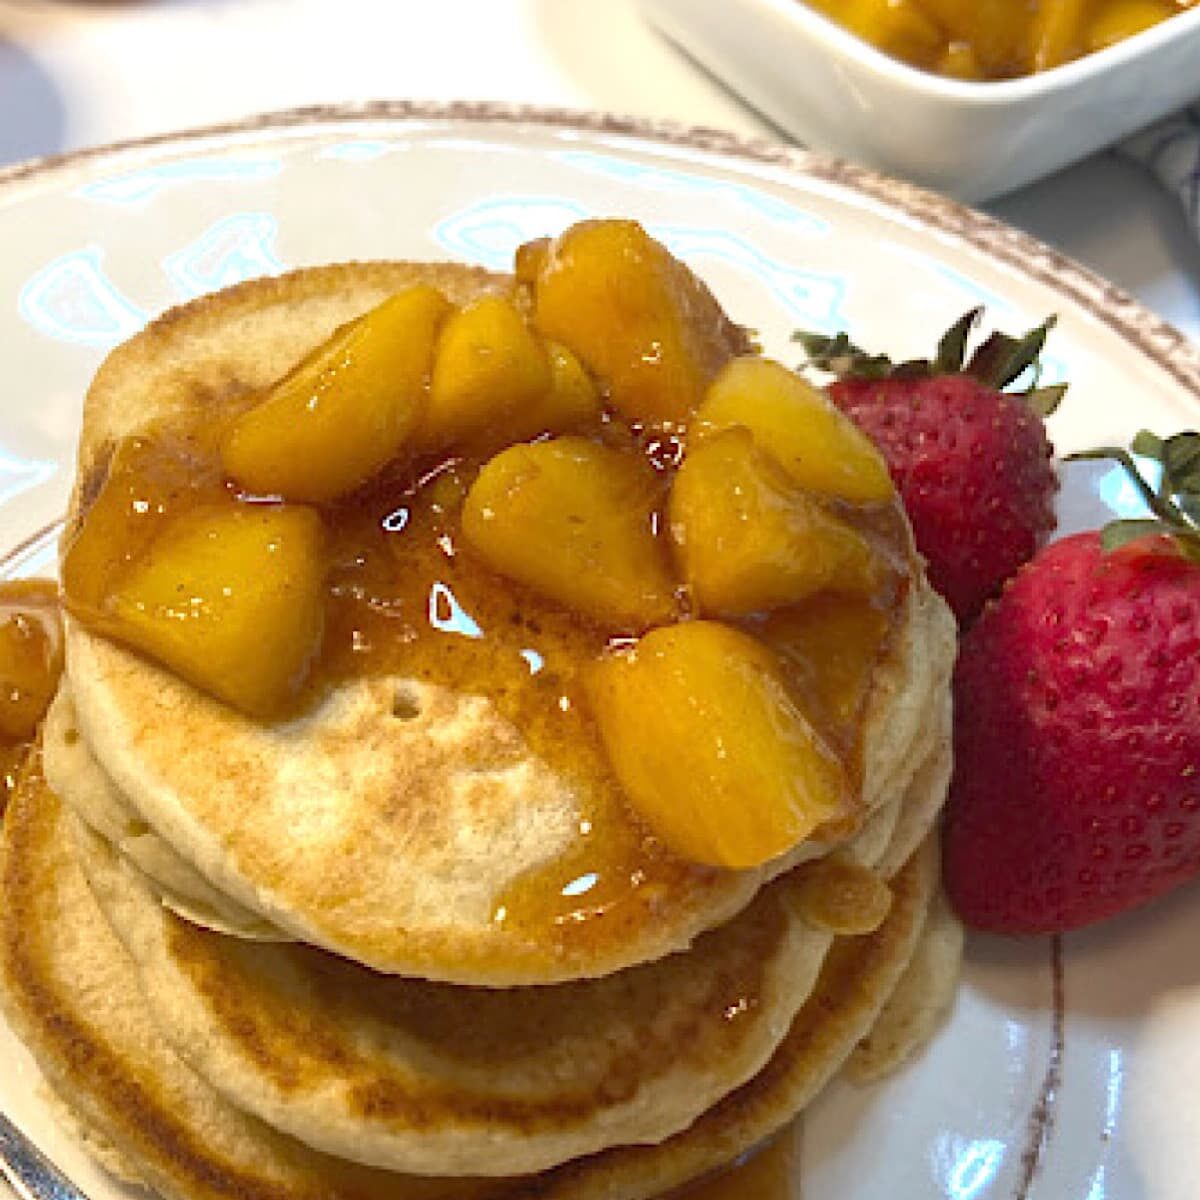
point(32, 1175)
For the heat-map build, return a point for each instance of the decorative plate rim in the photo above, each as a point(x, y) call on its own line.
point(1108, 303)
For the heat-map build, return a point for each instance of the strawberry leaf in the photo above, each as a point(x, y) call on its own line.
point(1116, 534)
point(998, 362)
point(952, 349)
point(1147, 444)
point(841, 357)
point(1002, 359)
point(1181, 463)
point(1045, 401)
point(1190, 504)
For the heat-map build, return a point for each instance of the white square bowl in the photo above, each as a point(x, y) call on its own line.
point(836, 92)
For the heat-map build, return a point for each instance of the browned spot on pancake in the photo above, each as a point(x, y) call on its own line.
point(91, 481)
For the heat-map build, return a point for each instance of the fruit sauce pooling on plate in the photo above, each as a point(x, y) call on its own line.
point(672, 566)
point(30, 666)
point(769, 1172)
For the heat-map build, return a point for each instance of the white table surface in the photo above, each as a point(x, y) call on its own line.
point(83, 72)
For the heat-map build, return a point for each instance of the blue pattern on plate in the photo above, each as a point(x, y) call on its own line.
point(664, 179)
point(71, 299)
point(490, 232)
point(238, 247)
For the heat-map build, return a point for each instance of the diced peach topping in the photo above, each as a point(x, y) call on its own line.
point(327, 426)
point(831, 645)
point(749, 540)
point(489, 370)
point(797, 424)
point(231, 598)
point(711, 748)
point(148, 479)
point(595, 443)
point(636, 317)
point(574, 520)
point(573, 399)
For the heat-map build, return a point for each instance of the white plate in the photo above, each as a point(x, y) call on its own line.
point(1075, 1085)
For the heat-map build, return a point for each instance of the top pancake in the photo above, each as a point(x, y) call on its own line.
point(393, 842)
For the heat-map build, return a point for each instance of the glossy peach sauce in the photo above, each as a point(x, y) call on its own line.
point(767, 1173)
point(406, 598)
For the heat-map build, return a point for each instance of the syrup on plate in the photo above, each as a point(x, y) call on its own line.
point(30, 666)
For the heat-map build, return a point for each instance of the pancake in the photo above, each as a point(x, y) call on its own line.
point(396, 842)
point(921, 1001)
point(77, 778)
point(926, 792)
point(425, 1077)
point(434, 1078)
point(74, 775)
point(71, 992)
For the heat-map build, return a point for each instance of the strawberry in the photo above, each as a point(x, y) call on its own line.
point(970, 460)
point(1076, 790)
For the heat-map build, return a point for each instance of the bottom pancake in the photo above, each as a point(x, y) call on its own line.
point(72, 994)
point(434, 1078)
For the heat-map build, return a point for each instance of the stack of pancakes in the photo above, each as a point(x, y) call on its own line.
point(267, 960)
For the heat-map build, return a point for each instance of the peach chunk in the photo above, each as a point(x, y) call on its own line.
point(748, 540)
point(489, 368)
point(334, 420)
point(822, 450)
point(842, 896)
point(30, 656)
point(711, 748)
point(832, 645)
point(127, 501)
point(231, 598)
point(637, 317)
point(1116, 20)
point(573, 399)
point(574, 520)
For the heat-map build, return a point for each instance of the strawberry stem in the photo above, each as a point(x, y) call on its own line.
point(1175, 503)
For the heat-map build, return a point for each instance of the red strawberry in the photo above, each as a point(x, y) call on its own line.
point(971, 461)
point(1076, 790)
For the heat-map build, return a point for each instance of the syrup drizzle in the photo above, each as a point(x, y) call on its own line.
point(30, 665)
point(407, 599)
point(769, 1172)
